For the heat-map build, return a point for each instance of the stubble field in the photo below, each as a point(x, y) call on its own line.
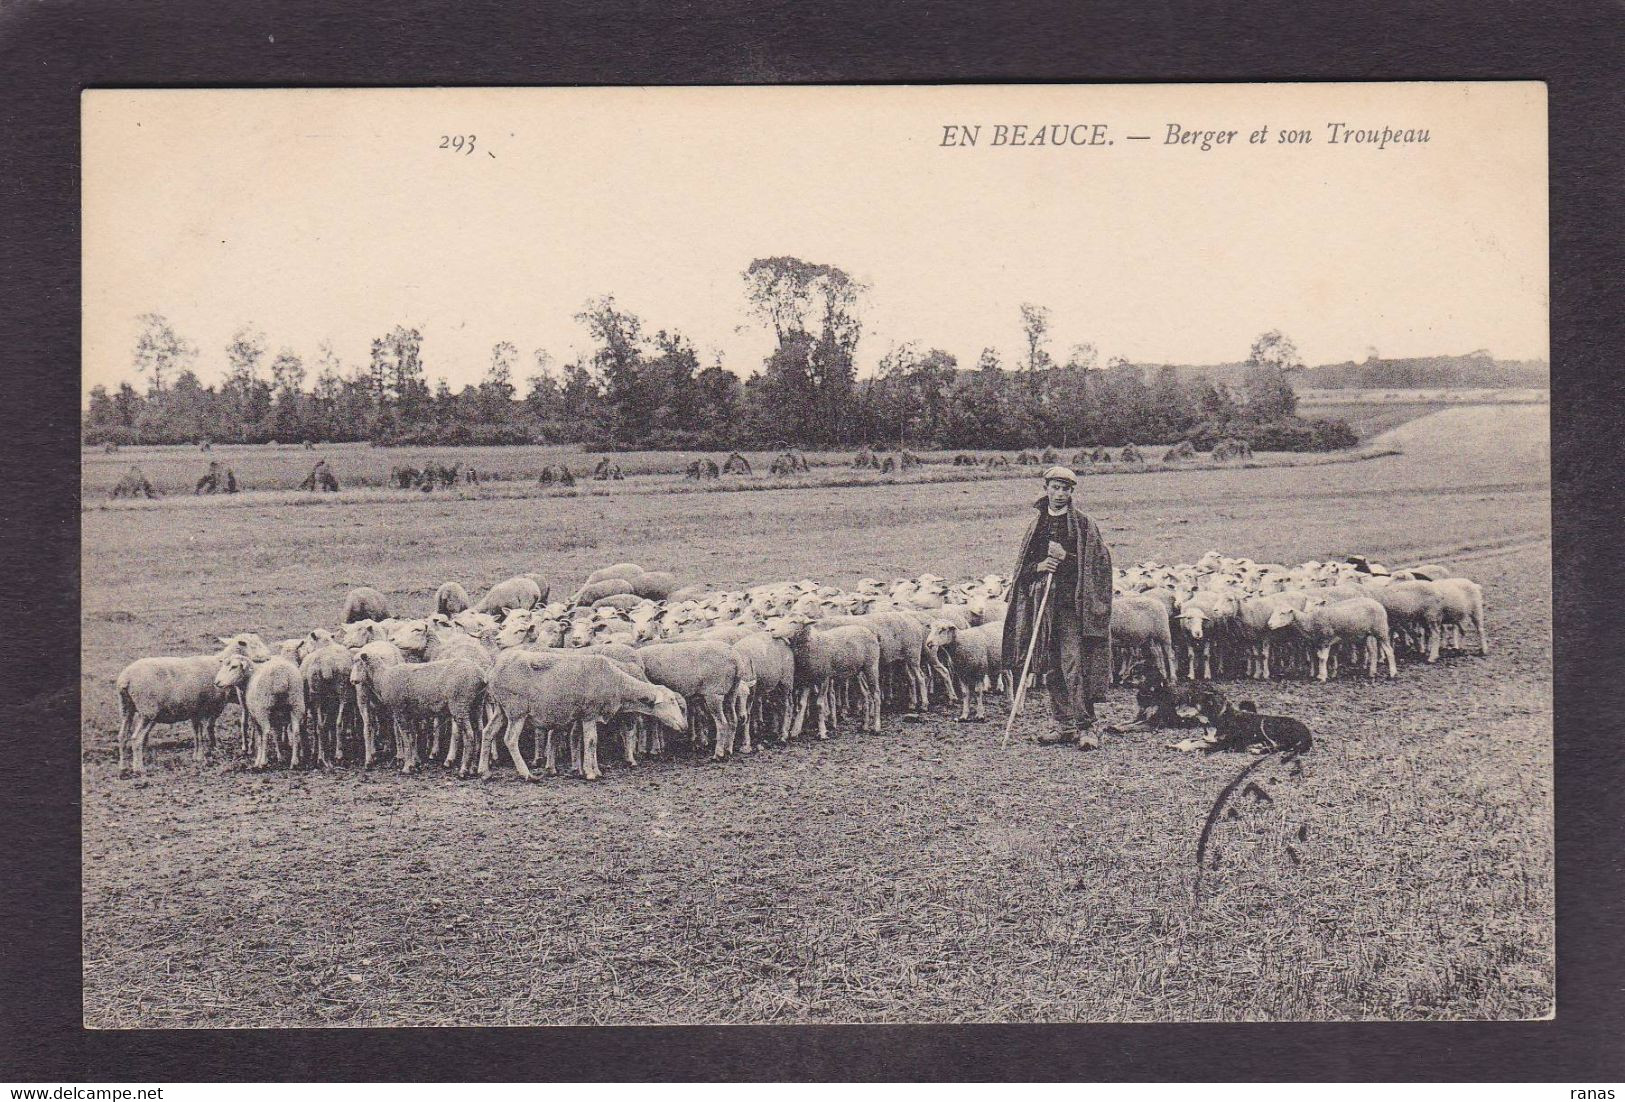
point(925, 875)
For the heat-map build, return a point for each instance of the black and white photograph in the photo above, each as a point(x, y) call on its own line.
point(811, 555)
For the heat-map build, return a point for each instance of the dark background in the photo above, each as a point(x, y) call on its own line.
point(50, 51)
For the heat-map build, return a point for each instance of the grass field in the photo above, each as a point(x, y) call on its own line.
point(922, 876)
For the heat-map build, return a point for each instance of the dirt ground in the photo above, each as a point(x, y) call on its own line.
point(925, 875)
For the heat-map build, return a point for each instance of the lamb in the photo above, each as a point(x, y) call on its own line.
point(554, 689)
point(902, 643)
point(1254, 632)
point(519, 631)
point(520, 592)
point(1205, 619)
point(450, 599)
point(704, 673)
point(766, 680)
point(977, 657)
point(1356, 621)
point(365, 603)
point(1463, 608)
point(984, 610)
point(1139, 625)
point(823, 657)
point(325, 672)
point(1414, 607)
point(453, 688)
point(380, 653)
point(273, 704)
point(168, 690)
point(960, 617)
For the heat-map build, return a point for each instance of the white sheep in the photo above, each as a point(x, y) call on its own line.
point(1140, 626)
point(365, 603)
point(380, 653)
point(453, 688)
point(823, 658)
point(1463, 608)
point(977, 655)
point(329, 698)
point(273, 704)
point(1414, 608)
point(450, 599)
point(518, 592)
point(626, 570)
point(558, 689)
point(703, 672)
point(174, 690)
point(1360, 620)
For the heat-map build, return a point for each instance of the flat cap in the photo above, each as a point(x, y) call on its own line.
point(1062, 474)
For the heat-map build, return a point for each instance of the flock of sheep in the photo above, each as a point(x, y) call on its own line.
point(632, 652)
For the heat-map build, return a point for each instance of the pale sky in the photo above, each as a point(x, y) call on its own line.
point(334, 215)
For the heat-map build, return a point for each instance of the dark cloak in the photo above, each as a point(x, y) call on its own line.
point(1091, 574)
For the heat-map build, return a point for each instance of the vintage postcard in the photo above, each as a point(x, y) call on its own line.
point(816, 555)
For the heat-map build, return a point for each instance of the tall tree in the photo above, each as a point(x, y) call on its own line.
point(619, 361)
point(1035, 322)
point(1267, 382)
point(160, 351)
point(243, 356)
point(287, 372)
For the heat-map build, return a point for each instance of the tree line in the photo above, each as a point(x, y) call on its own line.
point(641, 389)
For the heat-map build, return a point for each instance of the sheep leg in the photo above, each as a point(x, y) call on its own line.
point(407, 735)
point(296, 740)
point(802, 698)
point(1388, 653)
point(784, 705)
point(589, 749)
point(1430, 634)
point(717, 707)
point(138, 744)
point(262, 748)
point(981, 703)
point(1322, 659)
point(919, 688)
point(629, 741)
point(197, 738)
point(940, 668)
point(454, 744)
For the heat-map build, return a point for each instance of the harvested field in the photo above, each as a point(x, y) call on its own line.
point(922, 876)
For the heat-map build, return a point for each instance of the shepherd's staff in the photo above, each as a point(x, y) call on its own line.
point(1056, 551)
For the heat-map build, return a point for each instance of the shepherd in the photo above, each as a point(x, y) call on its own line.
point(1062, 555)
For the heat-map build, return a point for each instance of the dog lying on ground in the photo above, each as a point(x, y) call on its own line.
point(1159, 704)
point(1242, 728)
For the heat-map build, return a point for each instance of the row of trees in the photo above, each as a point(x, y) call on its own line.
point(638, 389)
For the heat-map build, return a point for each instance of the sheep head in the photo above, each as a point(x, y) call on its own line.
point(664, 705)
point(412, 637)
point(942, 634)
point(247, 643)
point(235, 670)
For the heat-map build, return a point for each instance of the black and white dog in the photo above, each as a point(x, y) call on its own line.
point(1243, 728)
point(1159, 704)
